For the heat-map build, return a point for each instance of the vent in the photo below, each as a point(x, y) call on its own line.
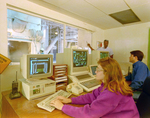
point(125, 17)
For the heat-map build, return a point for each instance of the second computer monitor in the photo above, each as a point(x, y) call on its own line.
point(96, 55)
point(77, 60)
point(104, 54)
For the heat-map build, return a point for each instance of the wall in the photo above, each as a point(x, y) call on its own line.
point(97, 36)
point(128, 38)
point(3, 28)
point(3, 34)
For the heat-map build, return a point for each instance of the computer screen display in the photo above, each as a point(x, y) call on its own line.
point(39, 65)
point(93, 69)
point(79, 58)
point(104, 54)
point(97, 54)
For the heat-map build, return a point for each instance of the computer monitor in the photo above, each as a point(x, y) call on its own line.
point(104, 54)
point(78, 68)
point(77, 60)
point(36, 66)
point(97, 54)
point(92, 69)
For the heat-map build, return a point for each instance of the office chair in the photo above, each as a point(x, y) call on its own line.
point(143, 102)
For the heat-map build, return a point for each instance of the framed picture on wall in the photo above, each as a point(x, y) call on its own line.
point(99, 44)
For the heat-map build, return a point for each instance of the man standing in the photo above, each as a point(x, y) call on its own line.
point(105, 48)
point(140, 70)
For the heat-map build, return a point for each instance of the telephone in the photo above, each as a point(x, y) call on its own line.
point(74, 88)
point(14, 93)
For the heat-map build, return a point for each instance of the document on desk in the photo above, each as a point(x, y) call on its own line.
point(45, 104)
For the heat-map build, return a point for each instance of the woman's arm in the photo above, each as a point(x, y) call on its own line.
point(101, 106)
point(87, 98)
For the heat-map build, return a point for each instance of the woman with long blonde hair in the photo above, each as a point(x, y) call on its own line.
point(113, 99)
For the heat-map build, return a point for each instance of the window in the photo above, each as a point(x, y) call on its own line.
point(52, 41)
point(71, 37)
point(33, 35)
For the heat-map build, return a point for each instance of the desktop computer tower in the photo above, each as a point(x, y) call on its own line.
point(32, 90)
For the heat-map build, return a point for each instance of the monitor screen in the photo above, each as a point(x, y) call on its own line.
point(93, 69)
point(36, 66)
point(39, 65)
point(97, 54)
point(104, 54)
point(79, 58)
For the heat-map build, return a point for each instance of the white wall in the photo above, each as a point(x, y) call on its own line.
point(97, 36)
point(3, 34)
point(126, 39)
point(3, 28)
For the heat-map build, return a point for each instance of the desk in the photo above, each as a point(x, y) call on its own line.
point(23, 108)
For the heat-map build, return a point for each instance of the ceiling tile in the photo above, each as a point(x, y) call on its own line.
point(135, 3)
point(109, 6)
point(107, 22)
point(142, 12)
point(82, 8)
point(56, 2)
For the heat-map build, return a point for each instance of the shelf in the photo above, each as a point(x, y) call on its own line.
point(60, 75)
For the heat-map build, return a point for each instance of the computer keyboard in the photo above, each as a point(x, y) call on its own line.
point(82, 77)
point(45, 104)
point(90, 83)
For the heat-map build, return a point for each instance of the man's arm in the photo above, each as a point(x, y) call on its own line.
point(90, 46)
point(111, 56)
point(128, 77)
point(139, 77)
point(111, 53)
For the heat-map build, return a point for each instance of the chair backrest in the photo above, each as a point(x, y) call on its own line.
point(143, 102)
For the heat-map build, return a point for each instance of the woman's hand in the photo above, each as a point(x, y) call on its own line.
point(57, 104)
point(63, 99)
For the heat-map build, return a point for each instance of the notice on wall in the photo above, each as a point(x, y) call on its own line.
point(4, 62)
point(99, 44)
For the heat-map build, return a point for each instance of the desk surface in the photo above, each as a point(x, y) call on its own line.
point(24, 108)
